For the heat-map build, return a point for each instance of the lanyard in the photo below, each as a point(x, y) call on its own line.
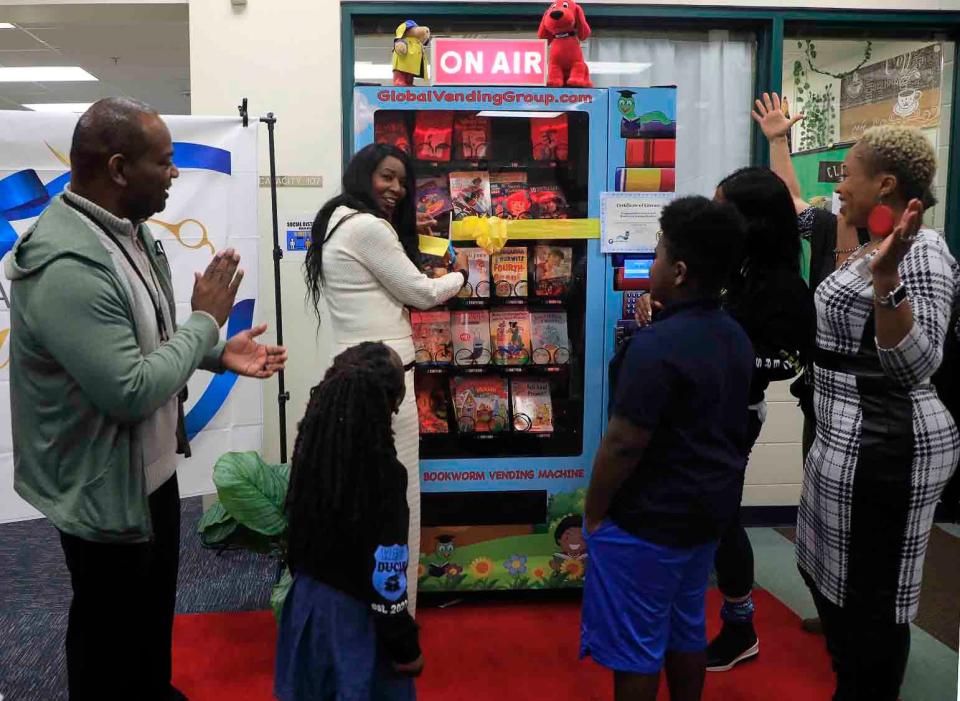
point(161, 323)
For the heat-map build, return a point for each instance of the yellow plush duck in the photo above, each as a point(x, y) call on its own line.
point(409, 57)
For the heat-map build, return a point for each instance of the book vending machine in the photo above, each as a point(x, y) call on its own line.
point(509, 375)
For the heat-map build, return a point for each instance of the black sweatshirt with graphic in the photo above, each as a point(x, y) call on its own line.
point(371, 566)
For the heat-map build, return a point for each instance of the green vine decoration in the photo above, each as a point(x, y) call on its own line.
point(820, 110)
point(810, 50)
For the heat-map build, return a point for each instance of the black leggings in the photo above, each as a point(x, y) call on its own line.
point(869, 655)
point(734, 558)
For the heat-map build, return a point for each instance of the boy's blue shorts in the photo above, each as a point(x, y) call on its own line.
point(641, 600)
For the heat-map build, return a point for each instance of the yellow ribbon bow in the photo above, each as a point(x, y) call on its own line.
point(490, 233)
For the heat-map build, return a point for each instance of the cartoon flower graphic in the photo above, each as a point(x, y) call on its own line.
point(454, 570)
point(539, 573)
point(516, 565)
point(481, 568)
point(573, 569)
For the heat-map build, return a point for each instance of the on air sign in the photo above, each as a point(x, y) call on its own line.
point(489, 62)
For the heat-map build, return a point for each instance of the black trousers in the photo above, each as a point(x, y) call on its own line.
point(869, 654)
point(120, 630)
point(734, 558)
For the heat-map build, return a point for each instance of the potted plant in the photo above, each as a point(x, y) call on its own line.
point(249, 513)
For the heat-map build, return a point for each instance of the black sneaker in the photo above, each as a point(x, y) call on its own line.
point(736, 643)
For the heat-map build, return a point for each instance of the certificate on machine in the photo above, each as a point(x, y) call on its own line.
point(630, 221)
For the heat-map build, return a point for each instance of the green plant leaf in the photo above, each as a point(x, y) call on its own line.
point(216, 514)
point(252, 491)
point(218, 534)
point(279, 593)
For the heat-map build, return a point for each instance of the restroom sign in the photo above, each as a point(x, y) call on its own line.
point(489, 62)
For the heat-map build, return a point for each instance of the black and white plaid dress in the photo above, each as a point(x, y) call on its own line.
point(885, 445)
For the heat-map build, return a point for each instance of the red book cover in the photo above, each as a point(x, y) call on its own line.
point(510, 333)
point(510, 195)
point(651, 153)
point(471, 137)
point(532, 408)
point(431, 403)
point(553, 269)
point(481, 403)
point(433, 135)
point(431, 337)
point(550, 138)
point(433, 196)
point(549, 202)
point(390, 127)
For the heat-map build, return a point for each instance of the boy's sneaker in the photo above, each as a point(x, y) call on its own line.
point(736, 643)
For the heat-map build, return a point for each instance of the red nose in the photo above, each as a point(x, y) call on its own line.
point(556, 14)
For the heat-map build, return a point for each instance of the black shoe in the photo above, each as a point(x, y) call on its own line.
point(736, 643)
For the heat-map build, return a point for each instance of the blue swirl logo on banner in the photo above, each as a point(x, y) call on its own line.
point(23, 195)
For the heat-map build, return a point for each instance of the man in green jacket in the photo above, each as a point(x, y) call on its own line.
point(98, 365)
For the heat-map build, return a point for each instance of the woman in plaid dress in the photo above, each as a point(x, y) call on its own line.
point(885, 445)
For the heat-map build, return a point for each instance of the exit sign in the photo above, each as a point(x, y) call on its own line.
point(489, 62)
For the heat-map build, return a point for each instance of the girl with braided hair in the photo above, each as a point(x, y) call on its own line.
point(345, 631)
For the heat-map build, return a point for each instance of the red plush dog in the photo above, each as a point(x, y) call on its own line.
point(564, 27)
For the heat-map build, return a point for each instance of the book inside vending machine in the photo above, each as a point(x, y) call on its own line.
point(509, 375)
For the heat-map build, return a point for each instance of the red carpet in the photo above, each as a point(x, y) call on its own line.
point(490, 651)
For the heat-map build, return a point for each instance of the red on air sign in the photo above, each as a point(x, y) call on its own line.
point(489, 62)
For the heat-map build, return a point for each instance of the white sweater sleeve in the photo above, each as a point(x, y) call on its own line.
point(377, 247)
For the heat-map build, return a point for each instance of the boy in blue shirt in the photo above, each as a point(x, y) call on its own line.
point(669, 472)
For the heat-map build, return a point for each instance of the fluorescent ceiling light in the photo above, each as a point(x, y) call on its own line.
point(6, 25)
point(509, 113)
point(367, 70)
point(616, 67)
point(60, 107)
point(44, 74)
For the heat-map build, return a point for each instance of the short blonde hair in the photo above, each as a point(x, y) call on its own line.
point(906, 153)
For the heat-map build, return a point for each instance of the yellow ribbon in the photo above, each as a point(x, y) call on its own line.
point(490, 233)
point(434, 245)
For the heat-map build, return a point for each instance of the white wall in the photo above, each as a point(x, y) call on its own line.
point(284, 55)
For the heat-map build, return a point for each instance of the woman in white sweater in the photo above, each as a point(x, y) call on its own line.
point(362, 262)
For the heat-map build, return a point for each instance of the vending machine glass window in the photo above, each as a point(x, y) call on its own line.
point(500, 368)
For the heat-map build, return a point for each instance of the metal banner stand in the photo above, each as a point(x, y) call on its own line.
point(283, 395)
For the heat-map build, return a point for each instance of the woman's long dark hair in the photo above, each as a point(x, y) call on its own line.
point(344, 459)
point(765, 203)
point(358, 194)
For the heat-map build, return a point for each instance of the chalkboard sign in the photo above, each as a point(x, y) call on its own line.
point(900, 90)
point(830, 172)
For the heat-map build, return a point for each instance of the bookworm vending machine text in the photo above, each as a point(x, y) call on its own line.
point(535, 465)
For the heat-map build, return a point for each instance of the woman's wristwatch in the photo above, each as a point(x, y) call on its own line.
point(893, 298)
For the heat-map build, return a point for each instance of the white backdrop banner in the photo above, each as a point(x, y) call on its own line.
point(212, 205)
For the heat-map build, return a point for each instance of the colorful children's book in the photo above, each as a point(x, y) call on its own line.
point(433, 196)
point(510, 334)
point(470, 331)
point(549, 202)
point(509, 270)
point(510, 195)
point(532, 408)
point(471, 137)
point(550, 138)
point(433, 135)
point(431, 391)
point(551, 343)
point(470, 192)
point(431, 337)
point(390, 127)
point(476, 262)
point(553, 268)
point(480, 403)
